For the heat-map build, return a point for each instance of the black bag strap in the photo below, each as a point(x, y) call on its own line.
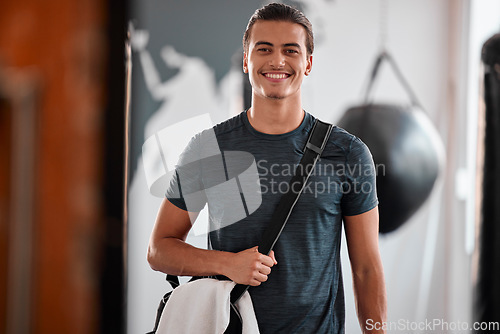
point(314, 147)
point(173, 280)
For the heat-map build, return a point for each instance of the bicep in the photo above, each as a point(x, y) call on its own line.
point(362, 239)
point(172, 222)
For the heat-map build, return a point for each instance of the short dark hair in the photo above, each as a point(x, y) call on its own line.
point(281, 12)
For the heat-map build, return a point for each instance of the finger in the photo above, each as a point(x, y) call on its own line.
point(254, 282)
point(264, 270)
point(271, 255)
point(266, 260)
point(260, 277)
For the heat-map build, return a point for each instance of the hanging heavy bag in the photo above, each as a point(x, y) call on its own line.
point(406, 149)
point(312, 151)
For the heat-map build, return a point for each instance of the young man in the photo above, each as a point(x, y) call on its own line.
point(298, 287)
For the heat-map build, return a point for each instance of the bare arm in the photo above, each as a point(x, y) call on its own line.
point(169, 253)
point(367, 272)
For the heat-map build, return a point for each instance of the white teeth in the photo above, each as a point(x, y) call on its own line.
point(276, 76)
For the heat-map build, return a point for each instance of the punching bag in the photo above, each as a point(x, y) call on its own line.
point(487, 270)
point(406, 149)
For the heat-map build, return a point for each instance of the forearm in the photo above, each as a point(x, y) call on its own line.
point(169, 253)
point(371, 300)
point(176, 257)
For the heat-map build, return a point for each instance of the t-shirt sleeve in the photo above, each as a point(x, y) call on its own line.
point(185, 189)
point(359, 186)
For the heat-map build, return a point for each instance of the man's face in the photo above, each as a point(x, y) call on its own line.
point(276, 59)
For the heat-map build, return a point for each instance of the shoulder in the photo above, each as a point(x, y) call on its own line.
point(342, 139)
point(354, 149)
point(207, 136)
point(229, 125)
point(350, 141)
point(342, 142)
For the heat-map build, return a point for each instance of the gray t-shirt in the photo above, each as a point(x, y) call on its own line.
point(304, 292)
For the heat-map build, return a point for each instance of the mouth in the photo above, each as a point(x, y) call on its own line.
point(276, 76)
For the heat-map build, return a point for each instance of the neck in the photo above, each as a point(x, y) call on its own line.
point(275, 116)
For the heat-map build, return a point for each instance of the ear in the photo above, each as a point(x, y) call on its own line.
point(245, 63)
point(309, 65)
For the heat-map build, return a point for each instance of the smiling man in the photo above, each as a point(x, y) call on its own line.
point(297, 288)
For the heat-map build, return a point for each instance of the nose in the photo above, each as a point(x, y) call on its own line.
point(277, 60)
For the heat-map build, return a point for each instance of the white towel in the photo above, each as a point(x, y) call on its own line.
point(202, 307)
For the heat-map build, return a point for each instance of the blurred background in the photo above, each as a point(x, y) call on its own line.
point(76, 206)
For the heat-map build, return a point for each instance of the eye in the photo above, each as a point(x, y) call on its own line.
point(264, 50)
point(291, 51)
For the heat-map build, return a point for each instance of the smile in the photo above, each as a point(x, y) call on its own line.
point(277, 76)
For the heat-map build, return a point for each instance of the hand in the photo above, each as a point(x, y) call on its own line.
point(250, 267)
point(138, 38)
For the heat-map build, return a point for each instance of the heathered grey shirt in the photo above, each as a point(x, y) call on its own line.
point(304, 292)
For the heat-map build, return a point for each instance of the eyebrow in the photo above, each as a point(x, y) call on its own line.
point(271, 44)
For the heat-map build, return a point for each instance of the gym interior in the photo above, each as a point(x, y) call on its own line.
point(85, 85)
